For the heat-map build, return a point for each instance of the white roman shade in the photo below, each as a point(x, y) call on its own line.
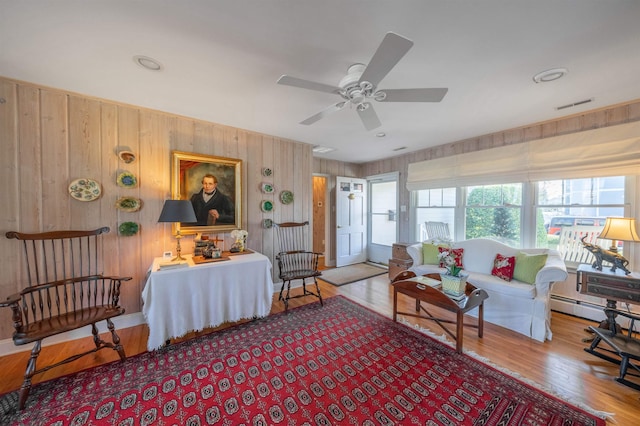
point(610, 151)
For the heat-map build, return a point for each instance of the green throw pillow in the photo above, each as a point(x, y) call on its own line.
point(527, 266)
point(430, 254)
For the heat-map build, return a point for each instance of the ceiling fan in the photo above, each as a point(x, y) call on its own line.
point(360, 85)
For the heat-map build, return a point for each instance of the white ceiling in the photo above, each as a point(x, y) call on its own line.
point(222, 59)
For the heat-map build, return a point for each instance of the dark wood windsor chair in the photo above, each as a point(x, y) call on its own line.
point(296, 261)
point(64, 292)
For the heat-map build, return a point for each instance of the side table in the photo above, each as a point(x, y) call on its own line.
point(613, 286)
point(406, 283)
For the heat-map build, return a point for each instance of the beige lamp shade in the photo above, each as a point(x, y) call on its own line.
point(620, 229)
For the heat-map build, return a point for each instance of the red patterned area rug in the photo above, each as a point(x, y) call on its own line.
point(337, 364)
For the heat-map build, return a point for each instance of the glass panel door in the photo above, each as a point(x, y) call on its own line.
point(383, 217)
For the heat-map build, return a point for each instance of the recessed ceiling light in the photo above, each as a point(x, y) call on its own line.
point(322, 149)
point(549, 75)
point(148, 63)
point(381, 134)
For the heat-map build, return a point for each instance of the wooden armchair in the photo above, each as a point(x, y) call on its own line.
point(64, 292)
point(622, 348)
point(295, 261)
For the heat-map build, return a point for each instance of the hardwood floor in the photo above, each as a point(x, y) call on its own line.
point(560, 365)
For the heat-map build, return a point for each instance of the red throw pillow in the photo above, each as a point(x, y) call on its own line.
point(455, 253)
point(503, 267)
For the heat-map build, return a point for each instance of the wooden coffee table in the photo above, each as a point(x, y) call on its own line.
point(406, 283)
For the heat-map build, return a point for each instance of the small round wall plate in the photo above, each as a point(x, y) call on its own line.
point(128, 229)
point(266, 206)
point(267, 188)
point(85, 189)
point(267, 223)
point(129, 204)
point(286, 197)
point(266, 171)
point(127, 180)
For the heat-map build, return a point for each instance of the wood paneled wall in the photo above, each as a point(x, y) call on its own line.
point(50, 137)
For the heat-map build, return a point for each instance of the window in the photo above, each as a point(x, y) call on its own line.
point(524, 214)
point(576, 204)
point(434, 205)
point(494, 211)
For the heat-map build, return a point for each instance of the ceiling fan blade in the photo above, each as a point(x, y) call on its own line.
point(390, 51)
point(306, 84)
point(415, 95)
point(324, 113)
point(369, 117)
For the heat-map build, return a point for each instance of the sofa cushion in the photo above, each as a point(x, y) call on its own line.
point(494, 284)
point(527, 266)
point(503, 267)
point(456, 254)
point(430, 254)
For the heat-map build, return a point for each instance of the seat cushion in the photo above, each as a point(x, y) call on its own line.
point(491, 283)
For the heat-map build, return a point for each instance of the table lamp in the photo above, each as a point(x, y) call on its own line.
point(177, 211)
point(619, 229)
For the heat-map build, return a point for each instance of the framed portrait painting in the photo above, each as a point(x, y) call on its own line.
point(214, 187)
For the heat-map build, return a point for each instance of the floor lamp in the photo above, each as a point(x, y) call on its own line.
point(177, 211)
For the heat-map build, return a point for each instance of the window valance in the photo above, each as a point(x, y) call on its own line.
point(610, 151)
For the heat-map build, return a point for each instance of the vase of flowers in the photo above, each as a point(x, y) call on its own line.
point(240, 237)
point(454, 281)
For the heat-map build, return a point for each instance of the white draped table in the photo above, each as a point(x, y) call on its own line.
point(178, 301)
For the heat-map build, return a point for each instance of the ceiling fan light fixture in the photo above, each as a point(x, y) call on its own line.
point(550, 75)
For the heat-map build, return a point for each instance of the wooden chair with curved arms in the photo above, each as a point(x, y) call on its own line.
point(295, 260)
point(64, 291)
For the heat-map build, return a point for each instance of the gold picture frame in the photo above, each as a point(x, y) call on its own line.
point(187, 173)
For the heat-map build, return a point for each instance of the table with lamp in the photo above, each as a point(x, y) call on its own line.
point(615, 284)
point(198, 296)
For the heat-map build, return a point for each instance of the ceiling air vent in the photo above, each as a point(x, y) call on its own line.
point(586, 101)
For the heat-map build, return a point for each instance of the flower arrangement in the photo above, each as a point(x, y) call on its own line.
point(450, 263)
point(447, 257)
point(240, 236)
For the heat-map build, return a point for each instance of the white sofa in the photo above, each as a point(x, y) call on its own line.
point(518, 306)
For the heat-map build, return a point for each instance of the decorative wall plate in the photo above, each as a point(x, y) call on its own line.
point(286, 197)
point(267, 188)
point(128, 229)
point(266, 206)
point(129, 204)
point(127, 180)
point(85, 189)
point(266, 171)
point(127, 157)
point(267, 223)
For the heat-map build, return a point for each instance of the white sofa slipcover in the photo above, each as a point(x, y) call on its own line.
point(515, 305)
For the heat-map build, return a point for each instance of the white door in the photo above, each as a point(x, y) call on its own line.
point(351, 221)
